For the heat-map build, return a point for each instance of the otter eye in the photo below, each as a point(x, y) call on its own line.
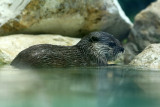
point(94, 39)
point(112, 44)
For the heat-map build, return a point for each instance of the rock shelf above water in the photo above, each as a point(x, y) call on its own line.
point(11, 45)
point(65, 17)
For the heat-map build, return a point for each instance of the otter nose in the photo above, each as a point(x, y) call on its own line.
point(122, 49)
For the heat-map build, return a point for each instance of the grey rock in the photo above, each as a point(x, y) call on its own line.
point(131, 51)
point(146, 30)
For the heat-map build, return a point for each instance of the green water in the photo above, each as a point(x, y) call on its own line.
point(114, 86)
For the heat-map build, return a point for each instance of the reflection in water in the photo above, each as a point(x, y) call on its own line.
point(79, 87)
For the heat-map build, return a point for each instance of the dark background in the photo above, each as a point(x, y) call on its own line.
point(132, 7)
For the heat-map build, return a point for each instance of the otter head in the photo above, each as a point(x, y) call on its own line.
point(101, 46)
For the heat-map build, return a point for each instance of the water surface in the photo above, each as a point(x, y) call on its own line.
point(113, 86)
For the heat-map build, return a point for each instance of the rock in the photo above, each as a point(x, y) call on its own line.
point(150, 57)
point(65, 17)
point(146, 30)
point(131, 51)
point(11, 45)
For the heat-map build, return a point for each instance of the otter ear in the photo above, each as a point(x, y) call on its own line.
point(94, 39)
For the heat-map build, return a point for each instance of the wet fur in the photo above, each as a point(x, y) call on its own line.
point(94, 49)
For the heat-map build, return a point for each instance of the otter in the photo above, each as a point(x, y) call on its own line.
point(95, 49)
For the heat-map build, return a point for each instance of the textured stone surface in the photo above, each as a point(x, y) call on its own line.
point(146, 30)
point(65, 17)
point(11, 45)
point(150, 57)
point(131, 51)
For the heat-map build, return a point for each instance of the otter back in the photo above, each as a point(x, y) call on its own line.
point(46, 55)
point(94, 49)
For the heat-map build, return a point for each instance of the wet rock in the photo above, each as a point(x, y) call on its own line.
point(146, 29)
point(65, 17)
point(131, 51)
point(150, 57)
point(11, 45)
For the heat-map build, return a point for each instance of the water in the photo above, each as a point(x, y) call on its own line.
point(114, 86)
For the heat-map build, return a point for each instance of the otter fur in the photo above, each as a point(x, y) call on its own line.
point(94, 49)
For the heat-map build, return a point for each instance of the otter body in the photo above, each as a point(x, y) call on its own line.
point(94, 49)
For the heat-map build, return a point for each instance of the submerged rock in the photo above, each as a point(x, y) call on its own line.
point(65, 17)
point(11, 45)
point(146, 29)
point(150, 57)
